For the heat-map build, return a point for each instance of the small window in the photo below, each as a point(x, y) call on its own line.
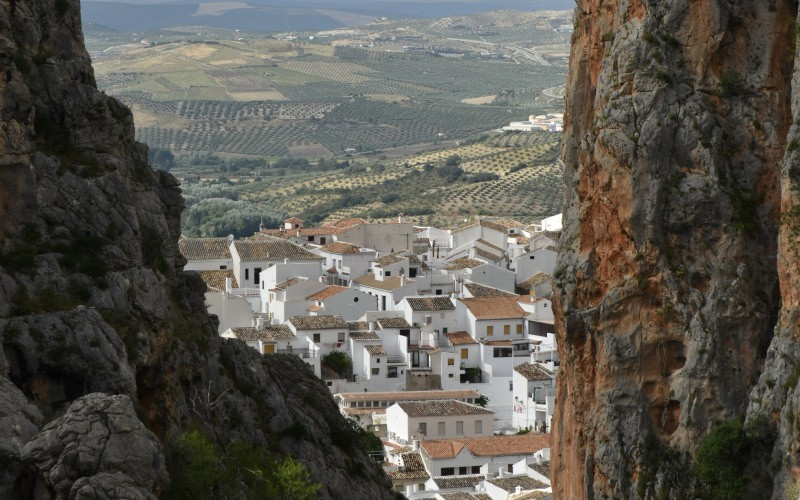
point(341, 337)
point(476, 469)
point(450, 375)
point(506, 329)
point(464, 353)
point(460, 430)
point(330, 383)
point(510, 385)
point(462, 471)
point(322, 240)
point(377, 360)
point(316, 337)
point(355, 299)
point(376, 371)
point(519, 329)
point(444, 329)
point(531, 257)
point(451, 362)
point(479, 427)
point(223, 267)
point(510, 468)
point(490, 330)
point(438, 291)
point(448, 471)
point(257, 275)
point(441, 428)
point(310, 238)
point(369, 404)
point(387, 273)
point(423, 428)
point(247, 274)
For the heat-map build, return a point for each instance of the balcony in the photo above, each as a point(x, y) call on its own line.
point(396, 360)
point(246, 292)
point(302, 353)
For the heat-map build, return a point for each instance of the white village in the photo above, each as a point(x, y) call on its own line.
point(440, 342)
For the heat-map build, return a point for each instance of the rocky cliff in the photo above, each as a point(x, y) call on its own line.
point(671, 274)
point(108, 354)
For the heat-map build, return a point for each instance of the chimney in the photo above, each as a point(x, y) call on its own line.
point(228, 284)
point(501, 472)
point(400, 217)
point(372, 326)
point(402, 280)
point(539, 459)
point(297, 233)
point(518, 490)
point(286, 260)
point(472, 253)
point(259, 322)
point(415, 445)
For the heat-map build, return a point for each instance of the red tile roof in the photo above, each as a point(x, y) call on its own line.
point(523, 444)
point(327, 292)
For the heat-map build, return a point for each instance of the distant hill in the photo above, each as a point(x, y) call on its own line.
point(272, 15)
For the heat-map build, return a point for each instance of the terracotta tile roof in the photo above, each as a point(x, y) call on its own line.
point(314, 308)
point(215, 280)
point(204, 248)
point(265, 334)
point(522, 444)
point(450, 482)
point(393, 323)
point(375, 350)
point(387, 284)
point(497, 226)
point(348, 222)
point(437, 303)
point(365, 411)
point(460, 338)
point(534, 495)
point(534, 280)
point(332, 269)
point(484, 496)
point(487, 244)
point(441, 408)
point(327, 292)
point(463, 228)
point(488, 255)
point(497, 342)
point(543, 468)
point(358, 326)
point(413, 468)
point(283, 285)
point(388, 260)
point(364, 336)
point(534, 371)
point(458, 495)
point(271, 248)
point(464, 263)
point(341, 248)
point(326, 322)
point(409, 395)
point(478, 290)
point(318, 231)
point(495, 307)
point(510, 483)
point(294, 220)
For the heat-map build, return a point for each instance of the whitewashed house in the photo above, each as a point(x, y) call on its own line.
point(231, 310)
point(385, 237)
point(341, 301)
point(206, 254)
point(410, 420)
point(388, 290)
point(486, 455)
point(344, 262)
point(250, 257)
point(542, 260)
point(327, 333)
point(534, 397)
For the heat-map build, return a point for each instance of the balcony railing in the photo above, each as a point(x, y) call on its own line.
point(396, 360)
point(246, 292)
point(302, 353)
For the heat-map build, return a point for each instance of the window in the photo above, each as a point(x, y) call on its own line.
point(423, 428)
point(387, 273)
point(438, 291)
point(531, 257)
point(519, 329)
point(322, 240)
point(506, 329)
point(510, 385)
point(377, 360)
point(510, 468)
point(450, 375)
point(316, 337)
point(376, 371)
point(441, 428)
point(369, 404)
point(460, 429)
point(341, 336)
point(223, 267)
point(355, 299)
point(464, 353)
point(310, 238)
point(392, 373)
point(476, 469)
point(257, 275)
point(247, 274)
point(462, 471)
point(451, 362)
point(479, 427)
point(444, 330)
point(448, 471)
point(490, 330)
point(502, 352)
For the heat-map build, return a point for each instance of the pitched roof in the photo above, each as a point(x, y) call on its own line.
point(341, 247)
point(449, 482)
point(413, 467)
point(441, 408)
point(348, 222)
point(543, 468)
point(326, 322)
point(478, 290)
point(409, 395)
point(436, 303)
point(393, 323)
point(264, 334)
point(294, 220)
point(215, 280)
point(534, 280)
point(464, 263)
point(534, 371)
point(517, 444)
point(460, 338)
point(495, 307)
point(271, 248)
point(283, 285)
point(388, 260)
point(487, 255)
point(358, 326)
point(375, 350)
point(464, 495)
point(204, 248)
point(387, 284)
point(364, 336)
point(490, 245)
point(510, 483)
point(327, 292)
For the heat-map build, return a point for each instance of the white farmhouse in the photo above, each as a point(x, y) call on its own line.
point(487, 455)
point(406, 421)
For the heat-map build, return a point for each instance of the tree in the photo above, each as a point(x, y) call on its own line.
point(337, 361)
point(482, 400)
point(453, 161)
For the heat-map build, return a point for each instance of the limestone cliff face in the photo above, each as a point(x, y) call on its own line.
point(676, 125)
point(93, 298)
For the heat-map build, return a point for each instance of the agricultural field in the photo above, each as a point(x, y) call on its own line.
point(384, 85)
point(511, 174)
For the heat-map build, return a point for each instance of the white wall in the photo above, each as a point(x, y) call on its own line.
point(350, 304)
point(232, 311)
point(208, 265)
point(383, 237)
point(494, 276)
point(539, 261)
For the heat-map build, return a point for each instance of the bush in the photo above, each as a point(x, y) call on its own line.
point(730, 84)
point(337, 361)
point(720, 461)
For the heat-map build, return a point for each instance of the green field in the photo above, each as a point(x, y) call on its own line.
point(385, 85)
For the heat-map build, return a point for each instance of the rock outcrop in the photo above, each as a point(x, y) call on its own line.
point(93, 300)
point(668, 274)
